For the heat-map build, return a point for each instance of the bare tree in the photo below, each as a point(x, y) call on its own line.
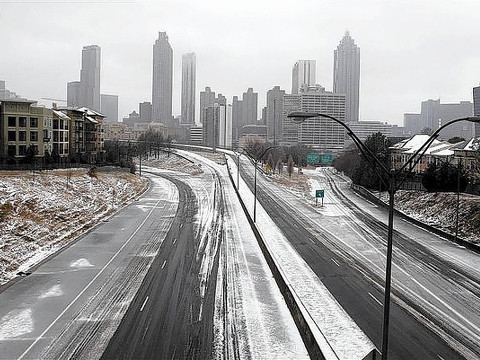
point(290, 166)
point(279, 166)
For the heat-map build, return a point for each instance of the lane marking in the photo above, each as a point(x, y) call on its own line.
point(313, 241)
point(163, 265)
point(374, 298)
point(88, 285)
point(336, 263)
point(441, 358)
point(174, 241)
point(146, 299)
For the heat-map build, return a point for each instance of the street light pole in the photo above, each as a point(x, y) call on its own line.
point(392, 188)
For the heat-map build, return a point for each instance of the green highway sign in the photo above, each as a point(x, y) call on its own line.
point(319, 159)
point(319, 193)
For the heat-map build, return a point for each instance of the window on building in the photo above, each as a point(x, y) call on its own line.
point(22, 136)
point(12, 121)
point(22, 150)
point(22, 121)
point(55, 123)
point(12, 150)
point(33, 135)
point(45, 135)
point(55, 136)
point(12, 136)
point(34, 149)
point(33, 122)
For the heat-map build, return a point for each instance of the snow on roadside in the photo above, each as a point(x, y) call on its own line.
point(41, 212)
point(435, 209)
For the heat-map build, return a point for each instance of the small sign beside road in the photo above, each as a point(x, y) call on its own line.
point(319, 194)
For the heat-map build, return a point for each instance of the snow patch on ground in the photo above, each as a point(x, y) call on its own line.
point(16, 323)
point(54, 291)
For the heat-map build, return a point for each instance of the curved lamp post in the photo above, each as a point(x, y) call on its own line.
point(392, 188)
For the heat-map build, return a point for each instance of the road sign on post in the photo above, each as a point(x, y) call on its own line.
point(319, 194)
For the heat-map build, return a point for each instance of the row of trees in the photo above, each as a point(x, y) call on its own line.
point(276, 158)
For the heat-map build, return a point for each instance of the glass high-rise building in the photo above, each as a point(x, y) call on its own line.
point(207, 98)
point(109, 107)
point(346, 75)
point(162, 79)
point(90, 77)
point(303, 73)
point(188, 88)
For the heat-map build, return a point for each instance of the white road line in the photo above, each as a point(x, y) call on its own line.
point(313, 241)
point(374, 298)
point(174, 241)
point(336, 263)
point(146, 299)
point(88, 285)
point(441, 358)
point(163, 265)
point(407, 289)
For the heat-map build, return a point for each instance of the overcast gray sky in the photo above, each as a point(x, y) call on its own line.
point(410, 50)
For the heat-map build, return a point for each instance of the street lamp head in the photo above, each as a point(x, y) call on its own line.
point(301, 116)
point(474, 119)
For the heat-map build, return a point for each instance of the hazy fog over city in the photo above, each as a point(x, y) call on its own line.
point(410, 51)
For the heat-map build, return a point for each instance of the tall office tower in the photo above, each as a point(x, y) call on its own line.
point(74, 98)
point(145, 112)
point(346, 75)
point(303, 73)
point(188, 88)
point(225, 125)
point(109, 107)
point(476, 107)
point(291, 103)
point(250, 107)
point(90, 77)
point(274, 114)
point(162, 79)
point(321, 132)
point(210, 125)
point(237, 118)
point(207, 98)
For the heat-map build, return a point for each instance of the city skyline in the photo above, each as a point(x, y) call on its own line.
point(410, 53)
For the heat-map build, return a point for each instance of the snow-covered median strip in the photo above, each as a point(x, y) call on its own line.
point(338, 336)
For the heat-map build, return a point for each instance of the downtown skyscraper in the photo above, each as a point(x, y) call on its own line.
point(303, 73)
point(90, 77)
point(86, 92)
point(188, 88)
point(162, 79)
point(346, 75)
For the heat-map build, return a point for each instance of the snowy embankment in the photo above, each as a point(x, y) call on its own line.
point(41, 212)
point(435, 209)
